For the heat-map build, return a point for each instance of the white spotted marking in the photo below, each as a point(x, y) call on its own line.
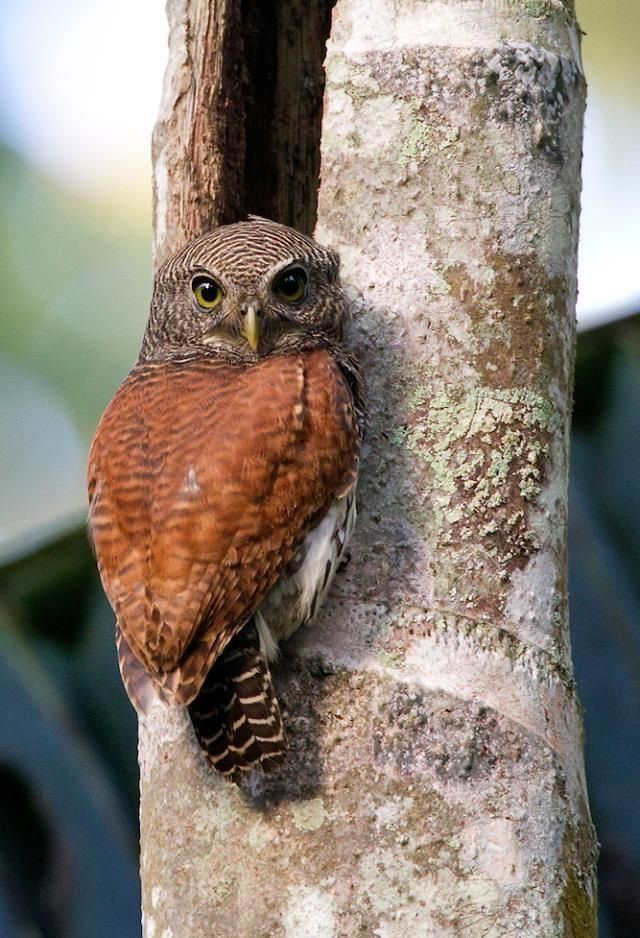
point(191, 484)
point(310, 913)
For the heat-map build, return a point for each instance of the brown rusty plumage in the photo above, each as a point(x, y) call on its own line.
point(209, 473)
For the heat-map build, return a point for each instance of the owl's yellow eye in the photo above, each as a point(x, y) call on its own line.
point(291, 285)
point(207, 292)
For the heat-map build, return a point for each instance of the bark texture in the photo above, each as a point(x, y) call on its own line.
point(435, 785)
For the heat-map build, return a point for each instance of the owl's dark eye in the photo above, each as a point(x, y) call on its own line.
point(206, 291)
point(291, 285)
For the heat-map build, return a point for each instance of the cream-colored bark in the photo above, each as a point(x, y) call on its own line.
point(435, 785)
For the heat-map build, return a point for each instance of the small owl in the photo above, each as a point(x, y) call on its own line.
point(222, 480)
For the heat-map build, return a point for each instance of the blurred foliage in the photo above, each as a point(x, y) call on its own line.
point(75, 293)
point(604, 558)
point(610, 45)
point(67, 752)
point(60, 257)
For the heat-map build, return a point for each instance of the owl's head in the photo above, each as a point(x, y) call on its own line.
point(245, 291)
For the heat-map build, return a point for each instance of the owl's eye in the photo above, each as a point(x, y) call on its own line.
point(291, 285)
point(207, 292)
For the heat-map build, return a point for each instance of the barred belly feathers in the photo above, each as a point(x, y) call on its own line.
point(222, 480)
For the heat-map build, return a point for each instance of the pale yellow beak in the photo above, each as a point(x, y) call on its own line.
point(251, 327)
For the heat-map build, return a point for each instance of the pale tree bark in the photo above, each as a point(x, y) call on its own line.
point(435, 785)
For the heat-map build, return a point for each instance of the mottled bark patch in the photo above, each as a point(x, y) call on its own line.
point(515, 82)
point(515, 314)
point(418, 731)
point(487, 450)
point(547, 8)
point(529, 84)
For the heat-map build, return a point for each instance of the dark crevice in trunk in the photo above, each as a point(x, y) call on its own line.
point(284, 50)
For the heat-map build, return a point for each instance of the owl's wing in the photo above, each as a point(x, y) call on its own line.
point(203, 480)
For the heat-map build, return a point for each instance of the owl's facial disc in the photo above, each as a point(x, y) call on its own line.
point(252, 319)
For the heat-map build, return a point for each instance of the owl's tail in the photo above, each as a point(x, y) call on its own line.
point(236, 714)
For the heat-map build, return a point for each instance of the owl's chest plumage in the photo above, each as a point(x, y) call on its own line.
point(213, 487)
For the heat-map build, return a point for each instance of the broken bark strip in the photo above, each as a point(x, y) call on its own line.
point(239, 124)
point(198, 140)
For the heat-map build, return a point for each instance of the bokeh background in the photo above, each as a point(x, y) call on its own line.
point(80, 83)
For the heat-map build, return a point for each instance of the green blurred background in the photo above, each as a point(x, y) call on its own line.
point(80, 81)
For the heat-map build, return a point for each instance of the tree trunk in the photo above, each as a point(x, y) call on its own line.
point(435, 785)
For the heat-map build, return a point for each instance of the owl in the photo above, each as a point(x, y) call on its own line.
point(222, 480)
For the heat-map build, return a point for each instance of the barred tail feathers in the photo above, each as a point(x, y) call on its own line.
point(236, 715)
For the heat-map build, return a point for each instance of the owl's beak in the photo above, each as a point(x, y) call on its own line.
point(251, 325)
